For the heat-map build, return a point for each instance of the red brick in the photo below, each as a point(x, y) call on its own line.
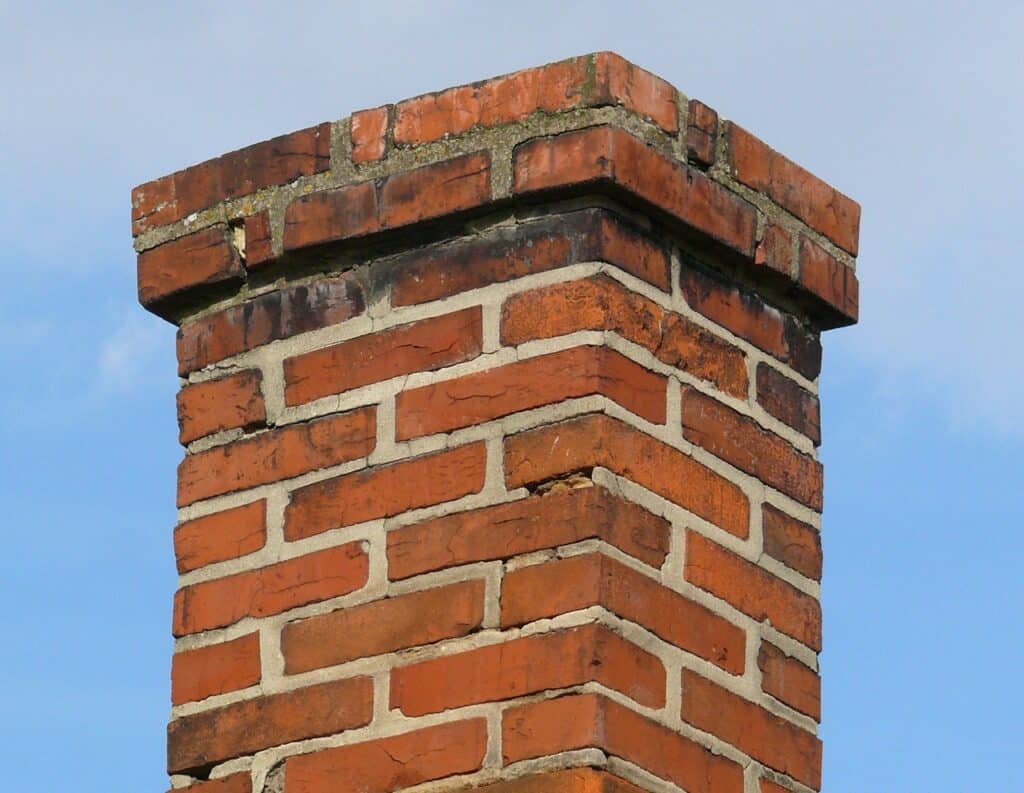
point(767, 786)
point(270, 590)
point(792, 542)
point(331, 215)
point(382, 626)
point(417, 347)
point(259, 241)
point(831, 280)
point(506, 253)
point(767, 738)
point(819, 205)
point(223, 404)
point(204, 739)
point(620, 82)
point(369, 130)
point(272, 162)
point(789, 681)
point(588, 441)
point(235, 783)
point(789, 402)
point(266, 318)
point(602, 303)
point(594, 721)
point(215, 669)
point(749, 317)
point(223, 535)
point(514, 668)
point(753, 590)
point(384, 491)
point(775, 251)
point(386, 764)
point(205, 258)
point(614, 157)
point(568, 780)
point(742, 442)
point(527, 525)
point(579, 582)
point(524, 385)
point(275, 455)
point(701, 133)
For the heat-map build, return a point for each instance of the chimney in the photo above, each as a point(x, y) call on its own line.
point(500, 418)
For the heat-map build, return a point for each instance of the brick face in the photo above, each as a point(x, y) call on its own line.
point(220, 536)
point(205, 258)
point(215, 669)
point(789, 681)
point(223, 404)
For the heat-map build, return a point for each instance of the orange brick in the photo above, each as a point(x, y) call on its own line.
point(514, 668)
point(266, 318)
point(278, 454)
point(223, 535)
point(259, 240)
point(767, 786)
point(578, 582)
point(792, 542)
point(569, 780)
point(201, 740)
point(417, 347)
point(369, 129)
point(436, 190)
point(749, 317)
point(742, 442)
point(616, 158)
point(831, 280)
point(234, 783)
point(594, 721)
point(789, 681)
point(270, 590)
point(789, 402)
point(584, 442)
point(602, 303)
point(767, 738)
point(215, 669)
point(620, 82)
point(223, 404)
point(383, 626)
point(384, 491)
point(822, 207)
point(533, 383)
point(506, 253)
point(329, 215)
point(775, 251)
point(753, 590)
point(386, 764)
point(205, 258)
point(527, 525)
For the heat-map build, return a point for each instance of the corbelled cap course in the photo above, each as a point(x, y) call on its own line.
point(500, 415)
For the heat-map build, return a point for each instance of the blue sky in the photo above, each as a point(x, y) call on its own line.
point(913, 108)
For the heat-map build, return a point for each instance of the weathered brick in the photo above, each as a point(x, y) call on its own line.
point(224, 404)
point(514, 668)
point(819, 205)
point(789, 680)
point(266, 318)
point(767, 738)
point(602, 303)
point(259, 240)
point(527, 525)
point(614, 157)
point(223, 535)
point(568, 780)
point(384, 491)
point(749, 317)
point(234, 783)
point(591, 720)
point(753, 590)
point(278, 454)
point(792, 542)
point(532, 383)
point(205, 258)
point(417, 347)
point(775, 251)
point(272, 162)
point(789, 402)
point(215, 669)
point(369, 129)
point(701, 133)
point(579, 582)
point(270, 590)
point(831, 280)
point(392, 763)
point(619, 82)
point(204, 739)
point(382, 626)
point(330, 215)
point(767, 786)
point(584, 442)
point(742, 442)
point(506, 253)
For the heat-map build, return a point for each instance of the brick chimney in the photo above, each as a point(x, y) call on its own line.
point(500, 413)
